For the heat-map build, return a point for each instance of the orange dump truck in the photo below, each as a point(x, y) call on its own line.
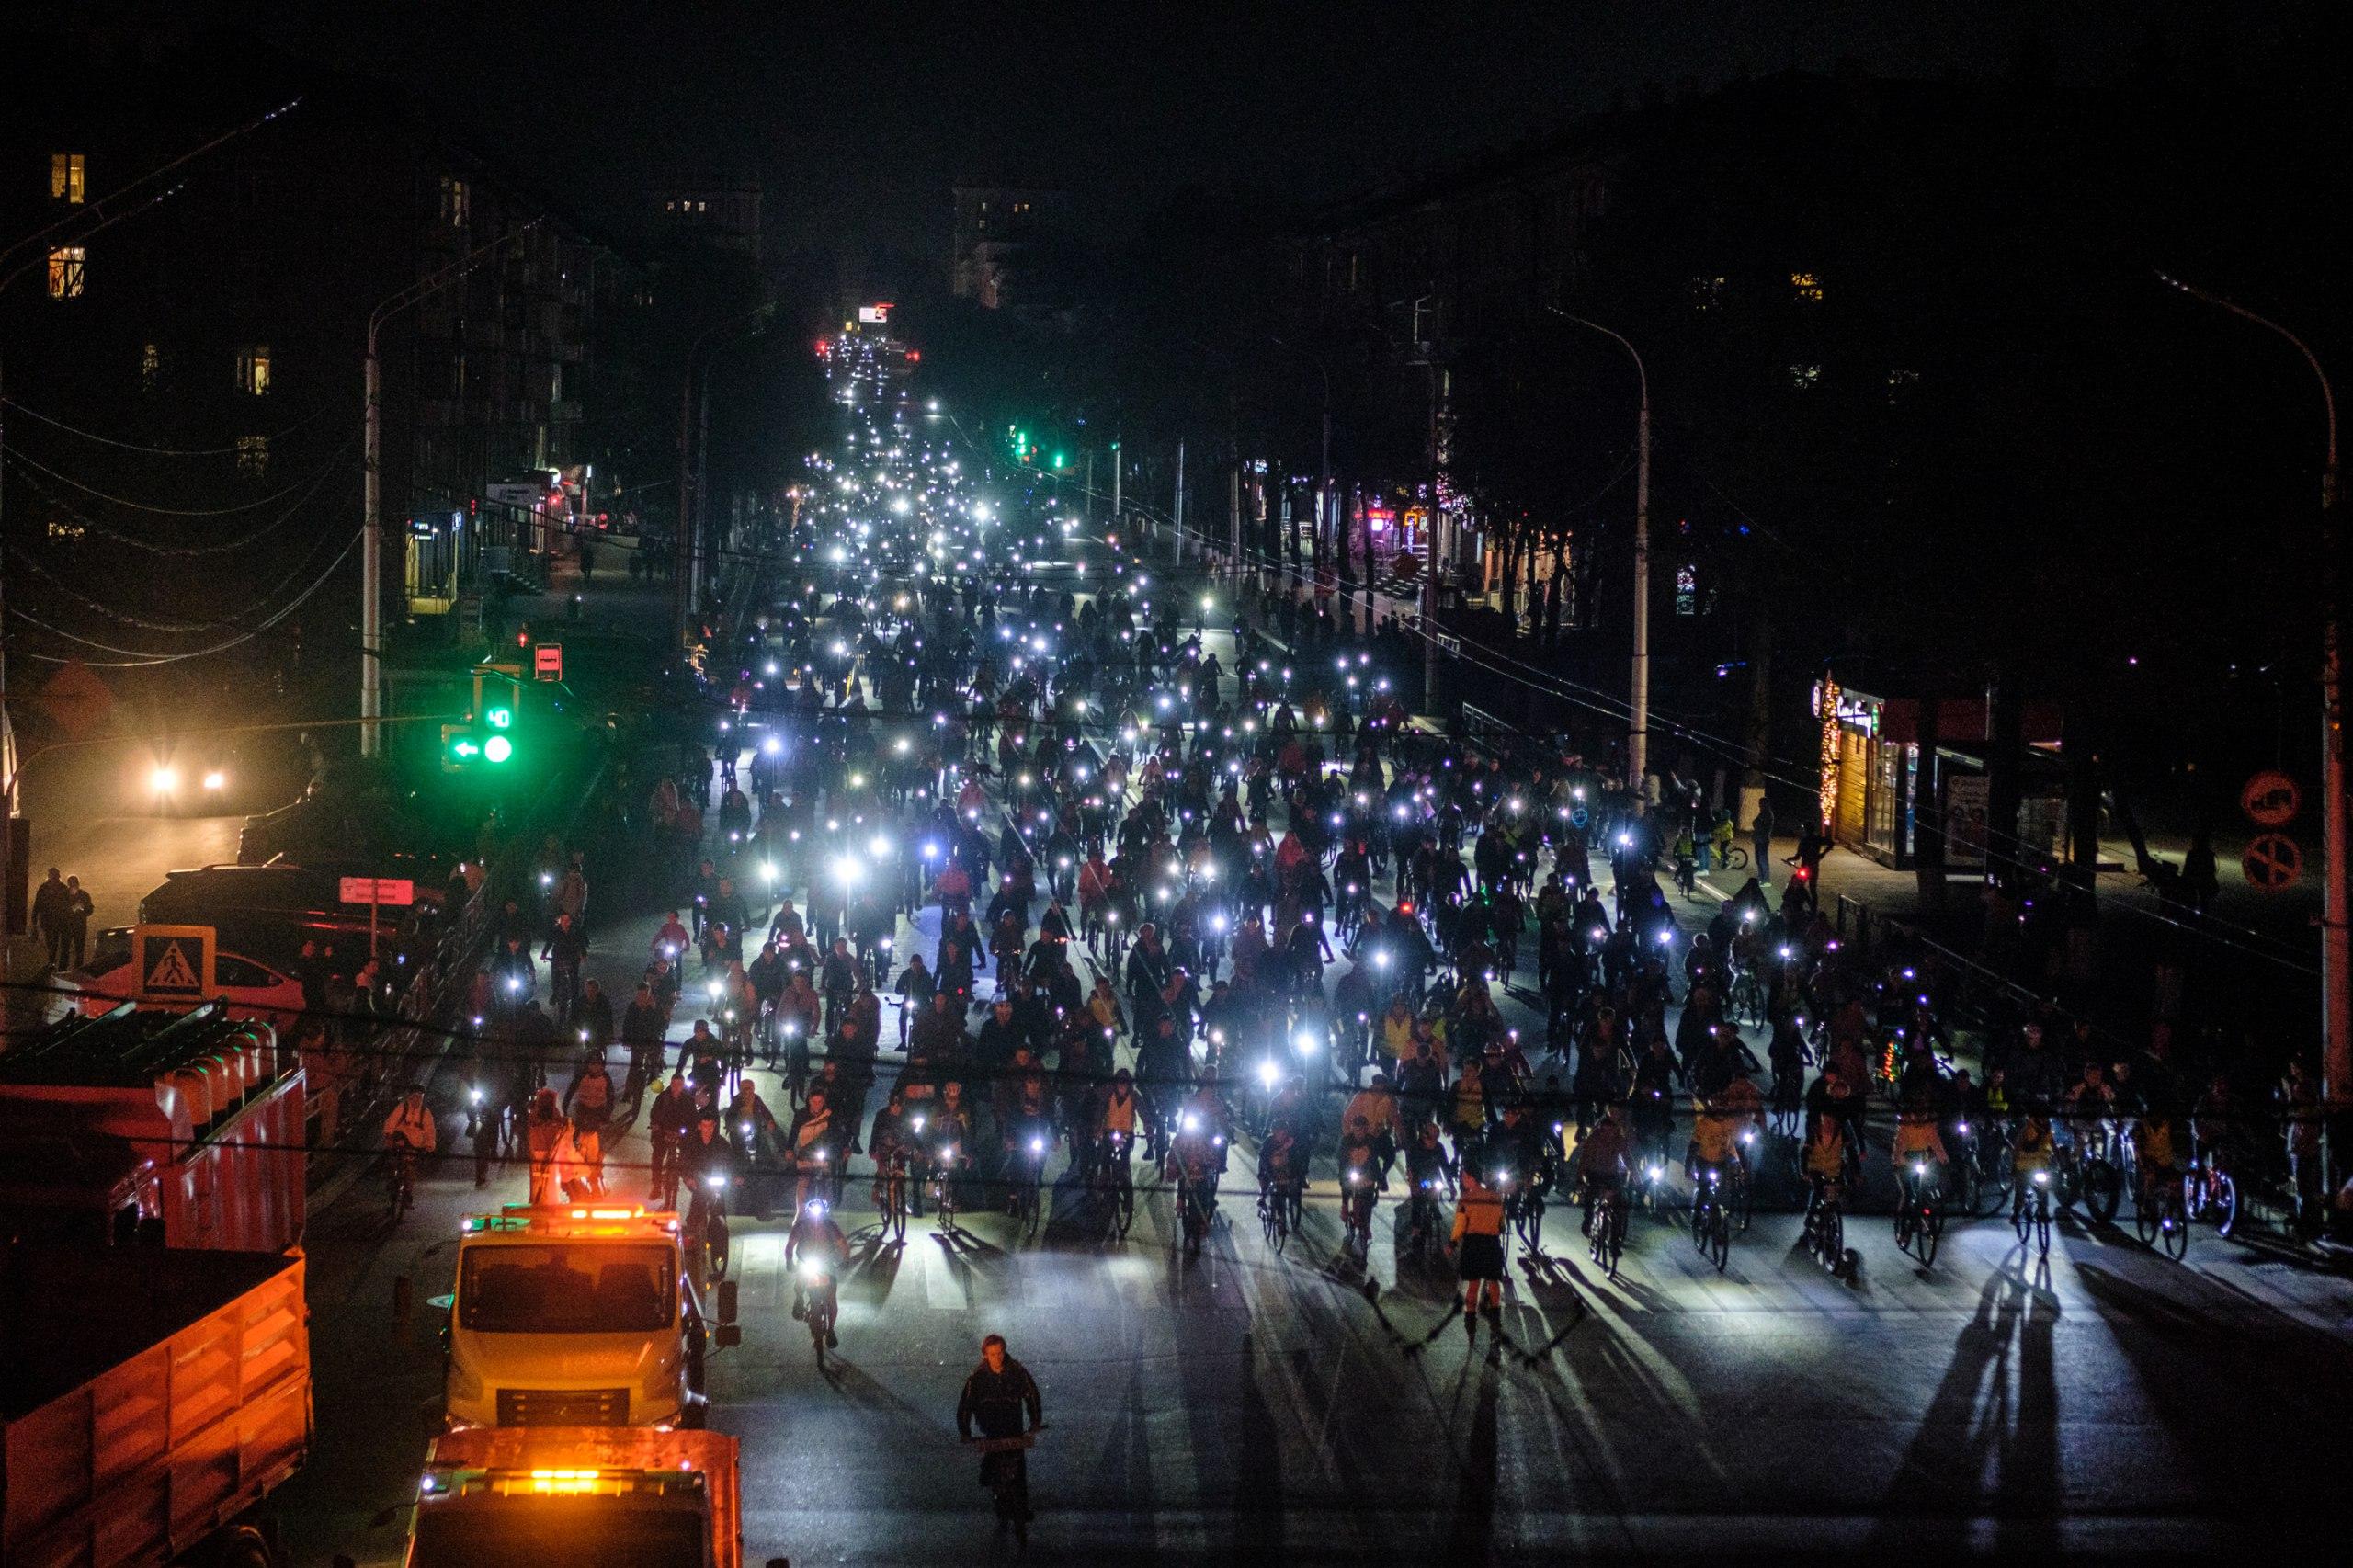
point(150, 1401)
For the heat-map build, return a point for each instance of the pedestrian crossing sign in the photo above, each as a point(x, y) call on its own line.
point(174, 962)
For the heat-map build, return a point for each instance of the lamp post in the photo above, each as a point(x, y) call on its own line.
point(1638, 740)
point(371, 543)
point(2336, 935)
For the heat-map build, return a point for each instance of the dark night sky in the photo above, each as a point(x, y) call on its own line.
point(861, 116)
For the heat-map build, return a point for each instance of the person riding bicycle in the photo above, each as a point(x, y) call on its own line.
point(1427, 1160)
point(1378, 1107)
point(408, 1133)
point(2089, 1105)
point(2031, 1152)
point(1603, 1157)
point(1918, 1142)
point(811, 1148)
point(1279, 1167)
point(1715, 1147)
point(1824, 1157)
point(817, 1240)
point(2156, 1144)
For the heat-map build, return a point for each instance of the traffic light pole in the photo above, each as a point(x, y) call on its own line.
point(371, 526)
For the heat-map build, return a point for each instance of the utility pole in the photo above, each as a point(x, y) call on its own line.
point(2337, 900)
point(372, 541)
point(684, 557)
point(1234, 515)
point(1115, 481)
point(1638, 722)
point(1176, 538)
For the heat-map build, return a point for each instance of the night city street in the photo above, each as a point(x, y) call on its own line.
point(1471, 785)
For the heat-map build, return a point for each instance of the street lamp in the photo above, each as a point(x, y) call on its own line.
point(1638, 721)
point(2336, 906)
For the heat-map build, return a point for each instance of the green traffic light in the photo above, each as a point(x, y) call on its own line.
point(1058, 460)
point(498, 748)
point(501, 717)
point(464, 748)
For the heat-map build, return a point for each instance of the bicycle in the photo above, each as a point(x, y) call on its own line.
point(2210, 1193)
point(1608, 1227)
point(1113, 1185)
point(943, 1187)
point(825, 1305)
point(2031, 1212)
point(400, 1179)
point(2160, 1215)
point(1526, 1209)
point(1825, 1226)
point(1733, 859)
point(2099, 1183)
point(1196, 1209)
point(1028, 1188)
point(707, 1231)
point(1710, 1221)
point(1422, 1240)
point(1919, 1222)
point(1357, 1198)
point(891, 1196)
point(1272, 1221)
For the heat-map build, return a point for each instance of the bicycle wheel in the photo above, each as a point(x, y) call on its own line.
point(1123, 1210)
point(2173, 1230)
point(1931, 1233)
point(2146, 1217)
point(1719, 1245)
point(1833, 1232)
point(2103, 1191)
point(2224, 1202)
point(2043, 1233)
point(1702, 1218)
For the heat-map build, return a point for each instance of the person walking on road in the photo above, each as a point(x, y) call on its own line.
point(996, 1397)
point(1760, 833)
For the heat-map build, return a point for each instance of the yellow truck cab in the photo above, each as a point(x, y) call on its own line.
point(578, 1316)
point(587, 1497)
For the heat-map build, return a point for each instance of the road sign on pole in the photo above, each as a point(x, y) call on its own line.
point(2270, 799)
point(174, 962)
point(2272, 862)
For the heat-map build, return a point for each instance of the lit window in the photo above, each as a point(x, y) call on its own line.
point(1807, 286)
point(1707, 293)
point(151, 367)
point(65, 177)
point(456, 201)
point(702, 206)
point(65, 272)
point(669, 207)
point(1804, 377)
point(252, 369)
point(253, 456)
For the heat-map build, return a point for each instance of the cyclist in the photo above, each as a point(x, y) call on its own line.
point(1378, 1110)
point(408, 1133)
point(2089, 1106)
point(1714, 1148)
point(1824, 1158)
point(817, 1238)
point(1280, 1168)
point(2156, 1145)
point(2031, 1150)
point(1918, 1139)
point(1603, 1159)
